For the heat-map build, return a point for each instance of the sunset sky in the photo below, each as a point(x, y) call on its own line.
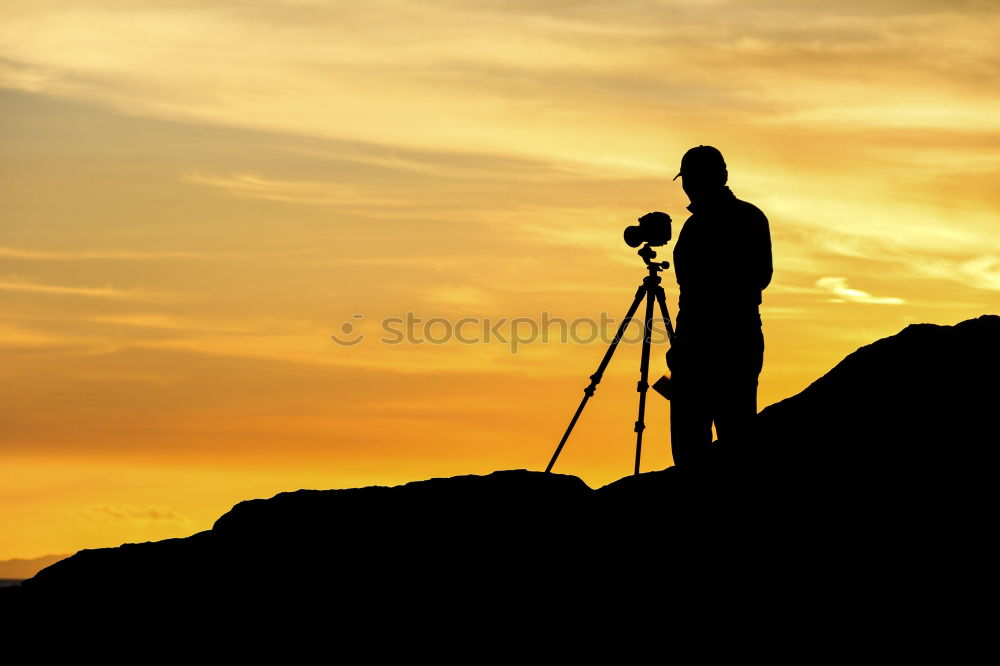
point(197, 194)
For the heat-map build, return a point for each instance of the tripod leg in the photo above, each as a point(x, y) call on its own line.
point(595, 378)
point(643, 384)
point(662, 300)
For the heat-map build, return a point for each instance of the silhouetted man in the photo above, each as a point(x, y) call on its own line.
point(722, 261)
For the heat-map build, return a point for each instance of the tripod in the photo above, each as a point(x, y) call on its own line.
point(651, 290)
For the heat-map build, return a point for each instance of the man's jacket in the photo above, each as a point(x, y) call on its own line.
point(722, 261)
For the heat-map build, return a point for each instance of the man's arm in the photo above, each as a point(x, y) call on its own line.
point(765, 267)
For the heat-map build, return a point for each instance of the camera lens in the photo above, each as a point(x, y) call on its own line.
point(633, 236)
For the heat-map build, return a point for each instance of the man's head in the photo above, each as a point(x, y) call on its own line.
point(703, 172)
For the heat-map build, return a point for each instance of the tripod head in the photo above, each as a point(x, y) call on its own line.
point(648, 254)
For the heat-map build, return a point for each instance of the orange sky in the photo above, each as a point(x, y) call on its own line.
point(196, 195)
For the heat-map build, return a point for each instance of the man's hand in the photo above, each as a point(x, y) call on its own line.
point(676, 354)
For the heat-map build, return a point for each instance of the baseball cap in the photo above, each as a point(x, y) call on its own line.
point(703, 159)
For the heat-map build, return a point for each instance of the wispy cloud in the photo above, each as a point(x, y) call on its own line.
point(172, 322)
point(133, 513)
point(460, 296)
point(12, 283)
point(18, 336)
point(155, 517)
point(310, 193)
point(136, 255)
point(451, 165)
point(838, 287)
point(981, 272)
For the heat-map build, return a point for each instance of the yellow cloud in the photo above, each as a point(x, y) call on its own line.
point(142, 515)
point(12, 283)
point(838, 286)
point(297, 192)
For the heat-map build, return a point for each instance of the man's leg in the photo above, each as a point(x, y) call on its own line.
point(734, 407)
point(690, 419)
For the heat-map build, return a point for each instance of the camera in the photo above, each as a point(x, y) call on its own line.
point(653, 228)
